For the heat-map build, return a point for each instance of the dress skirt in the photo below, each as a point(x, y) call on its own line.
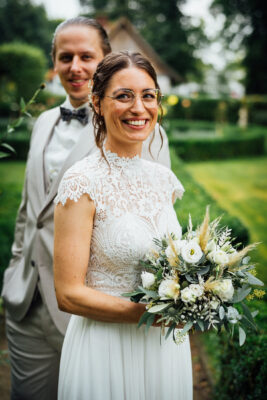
point(111, 361)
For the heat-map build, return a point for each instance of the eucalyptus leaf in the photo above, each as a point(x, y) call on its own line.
point(246, 260)
point(254, 313)
point(144, 318)
point(240, 294)
point(221, 313)
point(242, 336)
point(253, 280)
point(170, 329)
point(200, 324)
point(149, 293)
point(149, 322)
point(190, 279)
point(187, 326)
point(130, 294)
point(204, 270)
point(247, 312)
point(159, 307)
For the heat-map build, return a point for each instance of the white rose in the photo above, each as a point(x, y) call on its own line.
point(224, 289)
point(211, 246)
point(173, 251)
point(148, 279)
point(191, 252)
point(169, 288)
point(233, 315)
point(191, 293)
point(218, 257)
point(197, 289)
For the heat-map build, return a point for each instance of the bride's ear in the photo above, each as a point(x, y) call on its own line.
point(96, 104)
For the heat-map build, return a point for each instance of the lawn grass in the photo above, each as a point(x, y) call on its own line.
point(240, 187)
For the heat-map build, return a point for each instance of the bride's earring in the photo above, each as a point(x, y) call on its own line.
point(90, 87)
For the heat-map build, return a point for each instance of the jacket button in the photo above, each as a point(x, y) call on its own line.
point(39, 225)
point(32, 263)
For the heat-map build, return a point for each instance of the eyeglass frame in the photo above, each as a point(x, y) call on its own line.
point(156, 90)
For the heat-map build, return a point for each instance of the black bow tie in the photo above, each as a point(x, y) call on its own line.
point(81, 114)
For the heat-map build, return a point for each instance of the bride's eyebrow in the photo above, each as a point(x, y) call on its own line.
point(130, 90)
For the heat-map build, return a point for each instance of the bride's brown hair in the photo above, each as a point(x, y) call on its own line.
point(111, 64)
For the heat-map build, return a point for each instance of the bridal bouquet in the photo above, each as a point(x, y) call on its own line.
point(199, 282)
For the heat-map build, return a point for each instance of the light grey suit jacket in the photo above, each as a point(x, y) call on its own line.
point(32, 250)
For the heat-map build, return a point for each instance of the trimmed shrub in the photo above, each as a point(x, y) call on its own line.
point(213, 148)
point(22, 70)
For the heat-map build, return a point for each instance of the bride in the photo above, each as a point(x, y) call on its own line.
point(109, 207)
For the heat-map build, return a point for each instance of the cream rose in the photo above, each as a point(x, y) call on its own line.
point(218, 257)
point(191, 293)
point(148, 279)
point(224, 289)
point(169, 288)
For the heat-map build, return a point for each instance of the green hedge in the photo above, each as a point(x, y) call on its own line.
point(221, 110)
point(213, 148)
point(195, 201)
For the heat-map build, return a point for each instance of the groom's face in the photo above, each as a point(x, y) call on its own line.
point(78, 52)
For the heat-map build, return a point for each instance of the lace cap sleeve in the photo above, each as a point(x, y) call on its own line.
point(176, 187)
point(73, 185)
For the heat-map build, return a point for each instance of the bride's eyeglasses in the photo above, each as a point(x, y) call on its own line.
point(149, 97)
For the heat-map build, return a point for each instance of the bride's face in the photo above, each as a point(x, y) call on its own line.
point(130, 106)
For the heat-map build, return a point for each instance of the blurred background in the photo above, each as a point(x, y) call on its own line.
point(210, 57)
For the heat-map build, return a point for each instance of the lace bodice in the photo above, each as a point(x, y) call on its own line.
point(133, 201)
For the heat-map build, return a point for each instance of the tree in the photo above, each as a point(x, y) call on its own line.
point(161, 23)
point(22, 21)
point(246, 25)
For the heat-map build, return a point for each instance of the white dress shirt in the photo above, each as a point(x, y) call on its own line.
point(64, 137)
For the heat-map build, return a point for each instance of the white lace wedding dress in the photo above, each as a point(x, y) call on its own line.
point(112, 361)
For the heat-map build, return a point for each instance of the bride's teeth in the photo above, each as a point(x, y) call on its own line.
point(139, 122)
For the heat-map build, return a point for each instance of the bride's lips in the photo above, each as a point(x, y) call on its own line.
point(77, 82)
point(135, 123)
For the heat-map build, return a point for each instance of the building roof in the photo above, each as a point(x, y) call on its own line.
point(122, 32)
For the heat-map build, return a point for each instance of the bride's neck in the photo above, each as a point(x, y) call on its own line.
point(124, 149)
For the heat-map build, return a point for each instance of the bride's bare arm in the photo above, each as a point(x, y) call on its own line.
point(73, 230)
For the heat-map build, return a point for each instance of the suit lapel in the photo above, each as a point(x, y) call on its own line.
point(36, 161)
point(83, 147)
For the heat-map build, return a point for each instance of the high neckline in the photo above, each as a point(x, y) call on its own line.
point(121, 162)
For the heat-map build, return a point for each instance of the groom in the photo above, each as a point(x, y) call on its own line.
point(61, 136)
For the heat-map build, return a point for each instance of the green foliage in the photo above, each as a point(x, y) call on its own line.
point(21, 20)
point(246, 24)
point(162, 24)
point(243, 370)
point(214, 148)
point(22, 66)
point(220, 110)
point(195, 201)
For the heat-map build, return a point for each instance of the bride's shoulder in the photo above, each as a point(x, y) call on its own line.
point(165, 177)
point(79, 179)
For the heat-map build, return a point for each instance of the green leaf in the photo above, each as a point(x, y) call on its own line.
point(159, 307)
point(247, 312)
point(169, 331)
point(253, 280)
point(18, 122)
point(221, 312)
point(187, 326)
point(149, 322)
point(149, 293)
point(7, 146)
point(254, 313)
point(10, 129)
point(246, 260)
point(144, 318)
point(3, 155)
point(130, 294)
point(22, 104)
point(242, 336)
point(240, 294)
point(200, 324)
